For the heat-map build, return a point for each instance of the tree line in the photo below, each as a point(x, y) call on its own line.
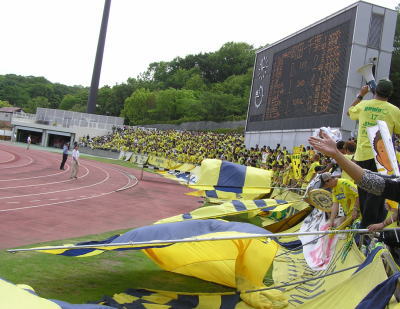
point(211, 86)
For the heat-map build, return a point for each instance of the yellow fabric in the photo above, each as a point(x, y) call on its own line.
point(345, 193)
point(341, 290)
point(344, 174)
point(257, 178)
point(13, 296)
point(297, 149)
point(367, 112)
point(162, 162)
point(122, 298)
point(247, 194)
point(345, 290)
point(392, 204)
point(257, 181)
point(209, 174)
point(311, 171)
point(296, 166)
point(216, 261)
point(251, 254)
point(158, 299)
point(228, 209)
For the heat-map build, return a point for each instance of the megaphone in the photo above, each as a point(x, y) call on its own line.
point(366, 72)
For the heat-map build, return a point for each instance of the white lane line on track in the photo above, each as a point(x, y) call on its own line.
point(23, 165)
point(35, 177)
point(12, 202)
point(49, 183)
point(13, 157)
point(73, 189)
point(27, 178)
point(34, 201)
point(63, 202)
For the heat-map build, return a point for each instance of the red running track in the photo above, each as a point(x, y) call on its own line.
point(39, 202)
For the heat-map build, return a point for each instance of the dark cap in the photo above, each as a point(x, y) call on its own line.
point(384, 88)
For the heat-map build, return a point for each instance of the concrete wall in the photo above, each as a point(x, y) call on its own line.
point(5, 116)
point(99, 152)
point(199, 125)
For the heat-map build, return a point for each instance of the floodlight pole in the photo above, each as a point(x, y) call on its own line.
point(94, 86)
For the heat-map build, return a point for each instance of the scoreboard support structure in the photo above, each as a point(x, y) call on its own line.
point(309, 79)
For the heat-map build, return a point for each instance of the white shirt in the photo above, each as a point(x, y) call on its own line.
point(75, 154)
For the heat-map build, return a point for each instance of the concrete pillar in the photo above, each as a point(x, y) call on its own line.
point(13, 134)
point(44, 138)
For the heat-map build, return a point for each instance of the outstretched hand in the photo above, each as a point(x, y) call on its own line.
point(326, 144)
point(376, 227)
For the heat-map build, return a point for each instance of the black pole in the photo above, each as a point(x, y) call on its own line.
point(94, 86)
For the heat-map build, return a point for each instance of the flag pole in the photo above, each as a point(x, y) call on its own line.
point(174, 241)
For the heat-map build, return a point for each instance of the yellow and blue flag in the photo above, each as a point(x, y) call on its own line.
point(232, 208)
point(218, 177)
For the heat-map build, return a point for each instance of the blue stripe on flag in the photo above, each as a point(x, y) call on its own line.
point(229, 189)
point(369, 259)
point(268, 208)
point(187, 216)
point(211, 193)
point(260, 203)
point(280, 202)
point(239, 206)
point(231, 175)
point(380, 296)
point(77, 252)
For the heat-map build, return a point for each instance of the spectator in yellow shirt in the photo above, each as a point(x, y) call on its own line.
point(367, 112)
point(344, 194)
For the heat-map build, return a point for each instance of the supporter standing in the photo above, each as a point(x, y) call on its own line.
point(65, 155)
point(367, 112)
point(344, 194)
point(28, 141)
point(311, 171)
point(350, 149)
point(75, 161)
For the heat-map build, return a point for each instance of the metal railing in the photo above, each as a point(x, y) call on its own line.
point(62, 122)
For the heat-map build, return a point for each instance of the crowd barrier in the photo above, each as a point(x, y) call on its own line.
point(99, 152)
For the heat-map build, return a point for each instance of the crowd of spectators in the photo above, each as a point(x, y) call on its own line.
point(194, 146)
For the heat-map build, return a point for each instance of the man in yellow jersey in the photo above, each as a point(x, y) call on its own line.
point(344, 193)
point(311, 171)
point(367, 112)
point(350, 149)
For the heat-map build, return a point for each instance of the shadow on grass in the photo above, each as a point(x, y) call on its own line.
point(79, 280)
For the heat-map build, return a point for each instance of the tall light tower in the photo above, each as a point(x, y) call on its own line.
point(94, 86)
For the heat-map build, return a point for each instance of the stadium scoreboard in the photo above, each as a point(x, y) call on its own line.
point(299, 82)
point(309, 79)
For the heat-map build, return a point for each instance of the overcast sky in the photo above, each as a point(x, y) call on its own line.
point(57, 39)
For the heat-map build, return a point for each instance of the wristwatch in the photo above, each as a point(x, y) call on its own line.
point(360, 97)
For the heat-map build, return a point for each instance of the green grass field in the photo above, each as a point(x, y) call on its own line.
point(80, 280)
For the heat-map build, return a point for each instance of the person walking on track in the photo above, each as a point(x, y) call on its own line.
point(65, 155)
point(75, 161)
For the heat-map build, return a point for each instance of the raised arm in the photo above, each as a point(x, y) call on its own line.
point(327, 146)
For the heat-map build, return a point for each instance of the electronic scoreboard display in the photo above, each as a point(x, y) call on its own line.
point(299, 83)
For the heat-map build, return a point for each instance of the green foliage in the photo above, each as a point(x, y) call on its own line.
point(36, 102)
point(239, 130)
point(208, 86)
point(212, 86)
point(137, 106)
point(4, 104)
point(75, 102)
